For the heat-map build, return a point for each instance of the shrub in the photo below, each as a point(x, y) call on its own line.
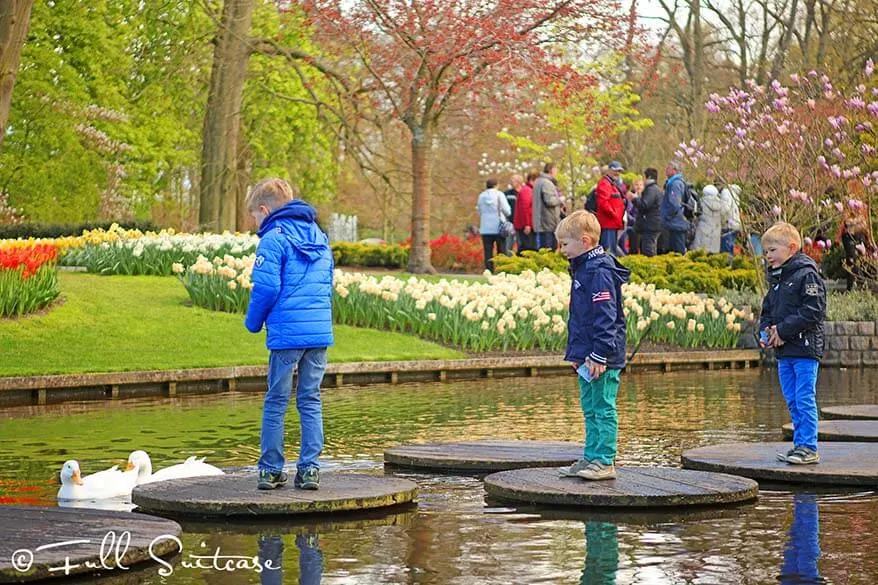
point(355, 254)
point(451, 253)
point(28, 278)
point(37, 230)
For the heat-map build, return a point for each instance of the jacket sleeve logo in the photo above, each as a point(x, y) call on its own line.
point(811, 289)
point(259, 260)
point(601, 296)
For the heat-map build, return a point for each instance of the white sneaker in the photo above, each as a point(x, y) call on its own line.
point(572, 470)
point(597, 471)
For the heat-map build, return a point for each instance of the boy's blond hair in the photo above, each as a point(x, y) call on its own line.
point(271, 193)
point(782, 234)
point(577, 224)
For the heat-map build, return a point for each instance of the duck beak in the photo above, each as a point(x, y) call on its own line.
point(129, 467)
point(77, 478)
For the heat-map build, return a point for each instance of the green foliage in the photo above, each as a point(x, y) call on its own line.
point(852, 306)
point(355, 254)
point(697, 271)
point(20, 295)
point(36, 230)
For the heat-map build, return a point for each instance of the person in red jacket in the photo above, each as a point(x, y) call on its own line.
point(610, 207)
point(523, 216)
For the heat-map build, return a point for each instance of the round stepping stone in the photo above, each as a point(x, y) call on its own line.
point(840, 463)
point(634, 487)
point(851, 411)
point(235, 494)
point(841, 430)
point(28, 528)
point(484, 456)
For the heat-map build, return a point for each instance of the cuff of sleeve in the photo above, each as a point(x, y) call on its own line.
point(597, 358)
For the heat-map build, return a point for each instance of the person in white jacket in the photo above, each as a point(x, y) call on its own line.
point(493, 208)
point(709, 229)
point(730, 195)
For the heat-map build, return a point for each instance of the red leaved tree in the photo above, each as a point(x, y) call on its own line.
point(419, 58)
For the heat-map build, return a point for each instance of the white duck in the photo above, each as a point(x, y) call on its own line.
point(109, 483)
point(139, 462)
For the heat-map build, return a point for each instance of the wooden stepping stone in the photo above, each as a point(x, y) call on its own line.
point(851, 411)
point(840, 430)
point(840, 463)
point(27, 528)
point(634, 487)
point(235, 494)
point(484, 456)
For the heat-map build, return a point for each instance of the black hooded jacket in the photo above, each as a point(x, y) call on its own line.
point(796, 303)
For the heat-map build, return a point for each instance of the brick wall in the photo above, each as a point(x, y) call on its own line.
point(851, 344)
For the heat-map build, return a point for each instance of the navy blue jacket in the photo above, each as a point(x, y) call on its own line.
point(596, 329)
point(796, 303)
point(292, 280)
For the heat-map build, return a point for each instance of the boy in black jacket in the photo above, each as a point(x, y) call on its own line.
point(595, 340)
point(792, 322)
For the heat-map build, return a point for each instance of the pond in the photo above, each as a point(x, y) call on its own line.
point(453, 536)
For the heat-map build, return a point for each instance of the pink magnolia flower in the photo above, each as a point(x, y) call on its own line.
point(712, 107)
point(861, 248)
point(821, 244)
point(856, 103)
point(812, 73)
point(808, 241)
point(812, 104)
point(828, 143)
point(873, 108)
point(828, 243)
point(836, 171)
point(838, 154)
point(855, 204)
point(794, 78)
point(870, 68)
point(839, 206)
point(776, 210)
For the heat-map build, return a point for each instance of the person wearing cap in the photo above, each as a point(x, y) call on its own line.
point(610, 207)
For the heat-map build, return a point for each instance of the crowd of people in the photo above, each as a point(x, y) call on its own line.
point(637, 218)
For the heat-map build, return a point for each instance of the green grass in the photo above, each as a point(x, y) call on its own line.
point(121, 323)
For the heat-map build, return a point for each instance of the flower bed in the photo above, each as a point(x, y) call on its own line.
point(28, 278)
point(222, 284)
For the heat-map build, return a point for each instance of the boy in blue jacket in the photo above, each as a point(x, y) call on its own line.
point(292, 297)
point(595, 340)
point(792, 323)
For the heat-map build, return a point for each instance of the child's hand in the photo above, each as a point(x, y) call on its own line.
point(595, 369)
point(774, 339)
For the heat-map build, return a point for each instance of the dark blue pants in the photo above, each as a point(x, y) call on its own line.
point(677, 241)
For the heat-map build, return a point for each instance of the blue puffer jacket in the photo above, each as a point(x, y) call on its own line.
point(596, 329)
point(292, 280)
point(671, 207)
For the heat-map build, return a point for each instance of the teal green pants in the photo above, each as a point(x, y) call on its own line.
point(598, 400)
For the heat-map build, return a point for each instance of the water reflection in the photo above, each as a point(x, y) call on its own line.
point(802, 550)
point(601, 554)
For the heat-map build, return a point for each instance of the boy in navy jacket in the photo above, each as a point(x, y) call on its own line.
point(792, 322)
point(595, 340)
point(292, 297)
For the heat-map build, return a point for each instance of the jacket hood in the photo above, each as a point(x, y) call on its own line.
point(598, 257)
point(298, 222)
point(796, 262)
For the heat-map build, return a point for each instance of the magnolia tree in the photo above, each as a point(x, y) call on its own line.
point(804, 152)
point(420, 59)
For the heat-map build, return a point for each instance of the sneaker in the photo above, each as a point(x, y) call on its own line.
point(783, 456)
point(597, 471)
point(803, 456)
point(572, 470)
point(309, 479)
point(269, 480)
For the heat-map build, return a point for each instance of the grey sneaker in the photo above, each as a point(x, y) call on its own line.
point(269, 480)
point(596, 471)
point(572, 470)
point(309, 479)
point(803, 456)
point(783, 456)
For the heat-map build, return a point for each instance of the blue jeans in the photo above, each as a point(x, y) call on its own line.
point(802, 549)
point(727, 242)
point(798, 382)
point(609, 241)
point(310, 559)
point(311, 363)
point(598, 401)
point(677, 241)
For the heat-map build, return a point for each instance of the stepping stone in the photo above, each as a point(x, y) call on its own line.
point(27, 528)
point(840, 430)
point(851, 411)
point(235, 494)
point(484, 456)
point(840, 463)
point(634, 487)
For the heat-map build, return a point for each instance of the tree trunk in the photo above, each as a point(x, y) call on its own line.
point(243, 178)
point(222, 120)
point(419, 259)
point(784, 43)
point(14, 22)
